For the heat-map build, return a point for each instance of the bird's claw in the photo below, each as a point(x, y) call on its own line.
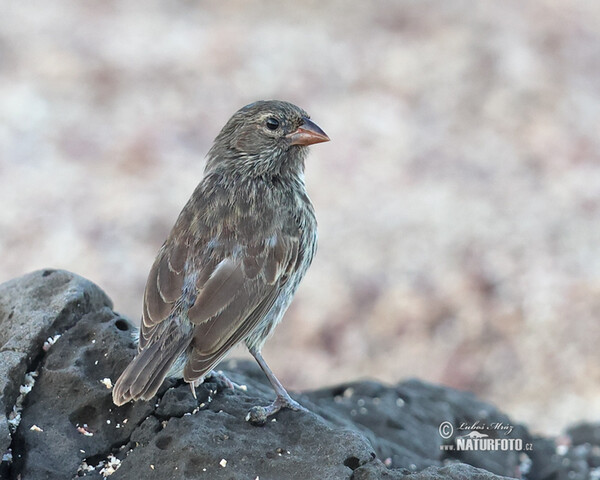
point(258, 415)
point(193, 386)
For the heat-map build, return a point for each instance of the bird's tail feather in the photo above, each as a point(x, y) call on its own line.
point(145, 374)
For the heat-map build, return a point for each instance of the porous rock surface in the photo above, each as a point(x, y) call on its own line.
point(363, 430)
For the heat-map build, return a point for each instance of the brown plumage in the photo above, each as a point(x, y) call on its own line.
point(233, 260)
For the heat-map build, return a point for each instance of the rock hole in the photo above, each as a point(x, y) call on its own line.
point(163, 442)
point(122, 325)
point(46, 273)
point(86, 415)
point(95, 459)
point(352, 463)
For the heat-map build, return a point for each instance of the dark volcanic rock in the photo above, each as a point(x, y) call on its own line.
point(33, 308)
point(402, 423)
point(363, 430)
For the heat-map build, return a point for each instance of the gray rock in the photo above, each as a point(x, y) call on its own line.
point(361, 430)
point(459, 471)
point(32, 308)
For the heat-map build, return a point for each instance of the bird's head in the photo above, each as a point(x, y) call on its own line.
point(265, 137)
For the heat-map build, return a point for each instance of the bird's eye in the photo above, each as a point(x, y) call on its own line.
point(272, 123)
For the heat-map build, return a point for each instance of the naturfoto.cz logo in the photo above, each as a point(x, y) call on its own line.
point(475, 439)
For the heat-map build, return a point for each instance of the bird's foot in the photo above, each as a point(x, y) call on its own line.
point(220, 377)
point(258, 415)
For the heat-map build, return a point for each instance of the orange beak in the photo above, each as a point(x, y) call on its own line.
point(307, 134)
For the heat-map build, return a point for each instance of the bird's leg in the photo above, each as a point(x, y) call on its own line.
point(258, 415)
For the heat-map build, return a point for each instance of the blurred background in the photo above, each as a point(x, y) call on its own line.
point(458, 200)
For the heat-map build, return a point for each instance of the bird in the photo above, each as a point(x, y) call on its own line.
point(233, 261)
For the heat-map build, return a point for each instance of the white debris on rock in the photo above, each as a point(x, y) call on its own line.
point(111, 465)
point(107, 382)
point(83, 430)
point(50, 341)
point(84, 468)
point(14, 417)
point(25, 389)
point(223, 463)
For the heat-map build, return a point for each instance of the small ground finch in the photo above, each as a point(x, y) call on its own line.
point(235, 257)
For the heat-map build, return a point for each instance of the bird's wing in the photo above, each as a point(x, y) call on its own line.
point(234, 301)
point(164, 288)
point(232, 295)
